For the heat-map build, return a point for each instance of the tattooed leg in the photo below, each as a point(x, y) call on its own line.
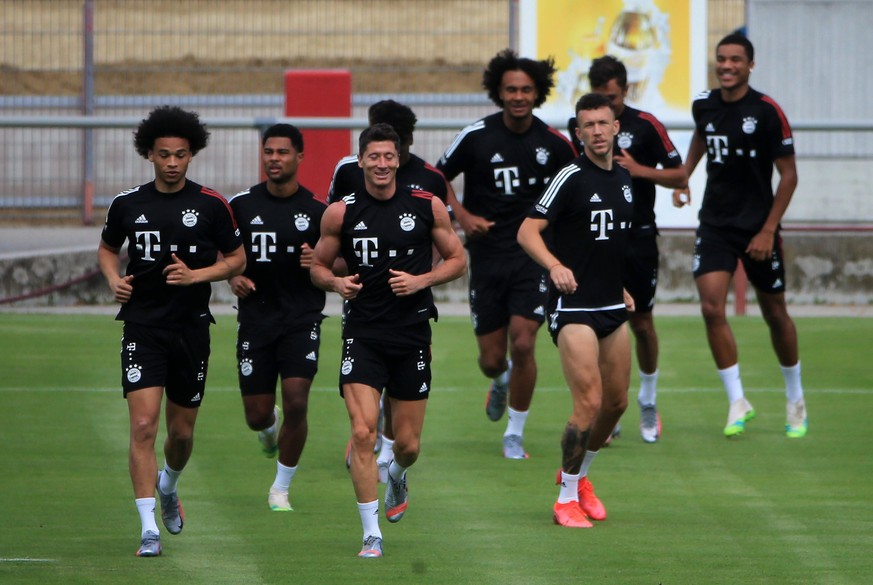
point(573, 445)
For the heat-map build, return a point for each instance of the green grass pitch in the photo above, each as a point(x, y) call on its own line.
point(695, 508)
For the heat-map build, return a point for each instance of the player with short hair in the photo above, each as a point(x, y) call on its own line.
point(744, 134)
point(507, 159)
point(180, 237)
point(385, 234)
point(413, 172)
point(588, 207)
point(280, 310)
point(643, 147)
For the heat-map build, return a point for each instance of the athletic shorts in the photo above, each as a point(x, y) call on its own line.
point(641, 271)
point(500, 289)
point(717, 250)
point(175, 359)
point(266, 353)
point(404, 372)
point(602, 322)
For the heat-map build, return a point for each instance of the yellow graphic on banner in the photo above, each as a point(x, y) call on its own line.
point(651, 38)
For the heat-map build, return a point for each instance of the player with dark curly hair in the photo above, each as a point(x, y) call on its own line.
point(180, 237)
point(540, 72)
point(171, 121)
point(508, 159)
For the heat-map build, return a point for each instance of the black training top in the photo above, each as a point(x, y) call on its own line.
point(504, 175)
point(194, 223)
point(273, 231)
point(378, 236)
point(590, 213)
point(646, 140)
point(742, 138)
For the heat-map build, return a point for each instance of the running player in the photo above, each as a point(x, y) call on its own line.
point(414, 173)
point(280, 310)
point(744, 134)
point(180, 237)
point(642, 144)
point(508, 159)
point(589, 208)
point(385, 234)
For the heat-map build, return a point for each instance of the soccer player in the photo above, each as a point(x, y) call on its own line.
point(744, 134)
point(508, 159)
point(180, 237)
point(641, 145)
point(280, 310)
point(385, 234)
point(414, 173)
point(589, 208)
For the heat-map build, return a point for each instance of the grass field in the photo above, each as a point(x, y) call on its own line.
point(694, 508)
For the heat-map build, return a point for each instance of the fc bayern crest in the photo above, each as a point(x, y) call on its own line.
point(628, 195)
point(749, 125)
point(542, 155)
point(407, 222)
point(189, 217)
point(625, 139)
point(301, 222)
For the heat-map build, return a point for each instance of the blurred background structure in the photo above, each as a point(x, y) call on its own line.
point(112, 61)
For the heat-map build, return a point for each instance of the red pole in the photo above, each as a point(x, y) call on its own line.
point(321, 93)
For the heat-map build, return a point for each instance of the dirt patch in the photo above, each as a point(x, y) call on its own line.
point(254, 76)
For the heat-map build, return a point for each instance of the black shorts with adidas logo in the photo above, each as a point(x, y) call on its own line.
point(175, 358)
point(402, 370)
point(719, 249)
point(268, 352)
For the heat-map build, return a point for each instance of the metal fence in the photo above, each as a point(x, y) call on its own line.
point(224, 58)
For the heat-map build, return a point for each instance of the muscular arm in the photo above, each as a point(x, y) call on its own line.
point(327, 252)
point(473, 225)
point(761, 246)
point(108, 259)
point(530, 238)
point(227, 265)
point(672, 178)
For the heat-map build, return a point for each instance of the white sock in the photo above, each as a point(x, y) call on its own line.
point(648, 388)
point(569, 488)
point(503, 379)
point(730, 377)
point(370, 518)
point(586, 463)
point(395, 470)
point(793, 387)
point(515, 422)
point(169, 480)
point(146, 509)
point(386, 453)
point(284, 475)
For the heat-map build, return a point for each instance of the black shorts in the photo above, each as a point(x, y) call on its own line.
point(641, 271)
point(717, 250)
point(175, 359)
point(403, 371)
point(500, 289)
point(266, 353)
point(602, 322)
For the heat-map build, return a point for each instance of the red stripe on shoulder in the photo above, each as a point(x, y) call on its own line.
point(422, 194)
point(433, 169)
point(783, 121)
point(660, 129)
point(220, 197)
point(564, 138)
